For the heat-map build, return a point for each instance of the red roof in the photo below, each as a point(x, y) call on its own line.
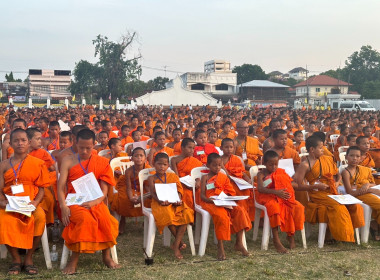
point(322, 80)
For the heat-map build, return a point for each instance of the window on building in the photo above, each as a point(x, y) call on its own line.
point(318, 89)
point(60, 88)
point(221, 87)
point(198, 86)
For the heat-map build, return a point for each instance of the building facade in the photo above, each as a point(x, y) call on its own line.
point(298, 73)
point(49, 83)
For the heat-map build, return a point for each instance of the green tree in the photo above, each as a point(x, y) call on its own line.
point(157, 83)
point(371, 89)
point(9, 78)
point(86, 78)
point(136, 88)
point(249, 72)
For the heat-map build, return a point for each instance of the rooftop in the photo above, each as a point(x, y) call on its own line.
point(322, 80)
point(263, 83)
point(297, 69)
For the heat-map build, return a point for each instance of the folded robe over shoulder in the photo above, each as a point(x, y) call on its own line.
point(92, 229)
point(252, 149)
point(171, 215)
point(226, 221)
point(288, 214)
point(17, 230)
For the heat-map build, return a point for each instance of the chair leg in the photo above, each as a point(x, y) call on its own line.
point(114, 254)
point(303, 235)
point(364, 231)
point(204, 234)
point(357, 235)
point(256, 223)
point(307, 228)
point(146, 228)
point(215, 239)
point(3, 251)
point(151, 236)
point(45, 247)
point(167, 237)
point(244, 241)
point(321, 234)
point(65, 256)
point(191, 239)
point(198, 227)
point(266, 232)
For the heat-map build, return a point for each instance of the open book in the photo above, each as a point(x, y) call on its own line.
point(19, 204)
point(87, 188)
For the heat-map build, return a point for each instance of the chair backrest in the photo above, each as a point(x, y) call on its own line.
point(147, 152)
point(103, 153)
point(334, 138)
point(126, 146)
point(342, 167)
point(304, 134)
point(342, 158)
point(196, 173)
point(253, 172)
point(303, 150)
point(116, 132)
point(123, 165)
point(342, 148)
point(303, 154)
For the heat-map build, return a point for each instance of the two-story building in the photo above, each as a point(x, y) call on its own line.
point(298, 73)
point(49, 83)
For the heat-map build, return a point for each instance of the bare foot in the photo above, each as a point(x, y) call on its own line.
point(280, 248)
point(182, 246)
point(108, 261)
point(122, 226)
point(292, 243)
point(70, 269)
point(240, 248)
point(221, 254)
point(177, 254)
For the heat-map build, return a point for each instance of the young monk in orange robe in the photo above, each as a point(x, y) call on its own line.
point(127, 201)
point(176, 215)
point(159, 139)
point(364, 146)
point(280, 139)
point(6, 148)
point(125, 138)
point(202, 149)
point(321, 173)
point(48, 202)
point(227, 221)
point(17, 230)
point(103, 141)
point(300, 143)
point(358, 181)
point(52, 142)
point(234, 166)
point(89, 227)
point(182, 166)
point(176, 143)
point(276, 193)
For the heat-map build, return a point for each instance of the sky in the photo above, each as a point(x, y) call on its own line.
point(181, 35)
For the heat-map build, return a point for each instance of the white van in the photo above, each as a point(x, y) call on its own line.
point(354, 105)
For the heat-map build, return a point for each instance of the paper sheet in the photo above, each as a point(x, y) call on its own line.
point(223, 196)
point(223, 203)
point(345, 199)
point(242, 184)
point(187, 180)
point(167, 192)
point(287, 165)
point(141, 144)
point(19, 204)
point(88, 186)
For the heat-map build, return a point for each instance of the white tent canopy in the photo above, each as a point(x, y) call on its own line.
point(177, 96)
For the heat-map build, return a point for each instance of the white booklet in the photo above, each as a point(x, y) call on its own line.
point(88, 186)
point(242, 184)
point(223, 196)
point(187, 180)
point(345, 199)
point(19, 204)
point(287, 165)
point(167, 192)
point(141, 144)
point(221, 200)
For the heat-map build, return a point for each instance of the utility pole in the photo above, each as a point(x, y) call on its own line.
point(307, 88)
point(165, 66)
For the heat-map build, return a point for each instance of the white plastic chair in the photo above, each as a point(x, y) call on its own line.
point(66, 251)
point(342, 158)
point(103, 153)
point(333, 139)
point(266, 227)
point(126, 146)
point(147, 152)
point(45, 248)
point(203, 218)
point(123, 165)
point(116, 132)
point(150, 224)
point(303, 155)
point(303, 150)
point(342, 148)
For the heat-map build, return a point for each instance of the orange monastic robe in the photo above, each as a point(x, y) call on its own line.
point(226, 221)
point(54, 145)
point(290, 153)
point(288, 214)
point(184, 168)
point(298, 147)
point(368, 161)
point(236, 168)
point(48, 202)
point(364, 177)
point(252, 149)
point(341, 219)
point(126, 140)
point(94, 229)
point(326, 152)
point(171, 215)
point(17, 230)
point(121, 203)
point(177, 149)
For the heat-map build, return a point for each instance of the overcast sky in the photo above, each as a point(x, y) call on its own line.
point(182, 35)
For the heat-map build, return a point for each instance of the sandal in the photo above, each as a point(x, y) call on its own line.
point(13, 268)
point(31, 269)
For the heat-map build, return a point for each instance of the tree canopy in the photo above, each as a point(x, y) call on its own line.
point(9, 78)
point(362, 70)
point(249, 72)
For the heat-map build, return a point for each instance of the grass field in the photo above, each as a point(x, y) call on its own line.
point(331, 262)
